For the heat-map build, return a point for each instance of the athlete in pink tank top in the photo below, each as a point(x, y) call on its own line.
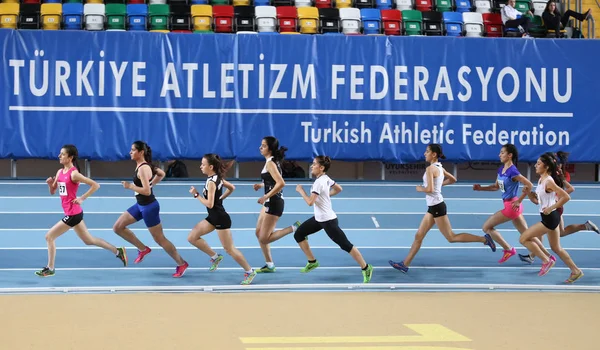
point(67, 190)
point(67, 182)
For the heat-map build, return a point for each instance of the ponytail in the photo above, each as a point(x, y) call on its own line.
point(72, 151)
point(277, 152)
point(219, 166)
point(549, 159)
point(324, 161)
point(143, 146)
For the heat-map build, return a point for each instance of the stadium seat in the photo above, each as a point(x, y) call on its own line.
point(371, 21)
point(432, 23)
point(483, 6)
point(463, 6)
point(303, 3)
point(10, 1)
point(308, 18)
point(137, 17)
point(523, 6)
point(244, 19)
point(158, 16)
point(29, 16)
point(551, 33)
point(220, 2)
point(364, 4)
point(72, 16)
point(473, 24)
point(537, 29)
point(180, 18)
point(266, 19)
point(392, 22)
point(288, 19)
point(278, 3)
point(35, 1)
point(492, 25)
point(343, 4)
point(538, 7)
point(9, 13)
point(115, 17)
point(350, 18)
point(202, 18)
point(198, 2)
point(413, 22)
point(93, 2)
point(237, 3)
point(93, 15)
point(262, 2)
point(383, 4)
point(323, 3)
point(423, 5)
point(51, 15)
point(223, 19)
point(453, 23)
point(497, 5)
point(329, 20)
point(403, 5)
point(133, 2)
point(443, 5)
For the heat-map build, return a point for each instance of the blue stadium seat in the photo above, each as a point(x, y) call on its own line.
point(463, 6)
point(72, 16)
point(371, 19)
point(137, 16)
point(454, 23)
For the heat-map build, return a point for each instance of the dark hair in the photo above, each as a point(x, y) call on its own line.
point(436, 148)
point(277, 152)
point(550, 162)
point(324, 161)
point(512, 149)
point(562, 158)
point(548, 5)
point(72, 152)
point(218, 165)
point(142, 146)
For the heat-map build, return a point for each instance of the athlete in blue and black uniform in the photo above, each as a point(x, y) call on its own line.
point(272, 201)
point(147, 207)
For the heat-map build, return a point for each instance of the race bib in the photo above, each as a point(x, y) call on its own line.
point(62, 189)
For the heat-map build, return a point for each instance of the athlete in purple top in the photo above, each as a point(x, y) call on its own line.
point(507, 181)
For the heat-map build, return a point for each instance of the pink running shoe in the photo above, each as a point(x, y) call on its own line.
point(142, 254)
point(508, 254)
point(547, 266)
point(180, 270)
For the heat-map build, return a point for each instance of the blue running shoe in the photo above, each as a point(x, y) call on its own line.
point(490, 242)
point(399, 266)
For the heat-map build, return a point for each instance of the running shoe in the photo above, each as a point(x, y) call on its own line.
point(574, 277)
point(122, 255)
point(142, 254)
point(45, 272)
point(310, 266)
point(266, 269)
point(215, 263)
point(399, 266)
point(249, 277)
point(547, 266)
point(180, 270)
point(490, 242)
point(296, 225)
point(526, 258)
point(590, 226)
point(507, 255)
point(368, 273)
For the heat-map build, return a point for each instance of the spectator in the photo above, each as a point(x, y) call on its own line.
point(176, 168)
point(553, 20)
point(512, 18)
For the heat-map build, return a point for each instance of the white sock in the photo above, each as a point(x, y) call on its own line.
point(214, 257)
point(249, 272)
point(293, 228)
point(270, 265)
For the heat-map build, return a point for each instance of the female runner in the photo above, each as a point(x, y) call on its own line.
point(212, 197)
point(146, 176)
point(67, 182)
point(435, 177)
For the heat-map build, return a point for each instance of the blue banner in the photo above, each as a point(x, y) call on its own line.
point(353, 98)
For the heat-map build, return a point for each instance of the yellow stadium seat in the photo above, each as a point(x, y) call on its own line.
point(202, 17)
point(51, 15)
point(8, 15)
point(94, 1)
point(342, 4)
point(241, 3)
point(11, 1)
point(160, 31)
point(289, 33)
point(309, 20)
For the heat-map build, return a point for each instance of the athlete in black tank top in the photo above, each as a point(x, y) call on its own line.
point(143, 199)
point(269, 182)
point(218, 202)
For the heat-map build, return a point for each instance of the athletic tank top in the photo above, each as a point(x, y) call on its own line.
point(435, 197)
point(268, 180)
point(143, 199)
point(67, 190)
point(545, 199)
point(218, 203)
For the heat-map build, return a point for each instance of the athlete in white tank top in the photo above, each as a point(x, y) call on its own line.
point(435, 177)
